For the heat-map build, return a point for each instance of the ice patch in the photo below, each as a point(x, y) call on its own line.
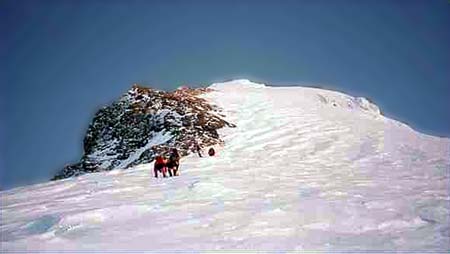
point(42, 224)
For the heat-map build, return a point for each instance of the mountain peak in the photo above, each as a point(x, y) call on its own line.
point(323, 97)
point(237, 83)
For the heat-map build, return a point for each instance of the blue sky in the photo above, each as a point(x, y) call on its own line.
point(62, 60)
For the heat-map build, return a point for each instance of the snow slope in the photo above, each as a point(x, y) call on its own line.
point(305, 169)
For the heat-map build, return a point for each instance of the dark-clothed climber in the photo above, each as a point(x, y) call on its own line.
point(173, 163)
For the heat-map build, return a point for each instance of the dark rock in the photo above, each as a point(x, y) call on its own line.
point(145, 122)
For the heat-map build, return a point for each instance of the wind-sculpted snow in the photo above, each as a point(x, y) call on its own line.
point(296, 173)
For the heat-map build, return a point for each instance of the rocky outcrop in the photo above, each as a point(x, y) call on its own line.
point(145, 122)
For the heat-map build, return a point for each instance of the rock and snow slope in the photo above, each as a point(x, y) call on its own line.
point(305, 169)
point(142, 123)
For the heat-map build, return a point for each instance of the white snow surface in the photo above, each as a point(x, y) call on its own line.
point(305, 169)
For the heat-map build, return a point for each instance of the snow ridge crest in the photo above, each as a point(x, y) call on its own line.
point(348, 102)
point(328, 97)
point(237, 84)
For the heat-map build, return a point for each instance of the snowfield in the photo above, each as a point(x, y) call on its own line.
point(305, 169)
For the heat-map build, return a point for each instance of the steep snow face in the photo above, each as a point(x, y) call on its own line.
point(305, 169)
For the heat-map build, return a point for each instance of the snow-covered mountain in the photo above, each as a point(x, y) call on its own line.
point(145, 122)
point(304, 169)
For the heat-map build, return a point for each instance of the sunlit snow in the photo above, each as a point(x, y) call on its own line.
point(305, 169)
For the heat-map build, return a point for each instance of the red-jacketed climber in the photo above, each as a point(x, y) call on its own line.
point(160, 165)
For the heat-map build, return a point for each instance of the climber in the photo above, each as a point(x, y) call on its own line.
point(198, 149)
point(211, 151)
point(173, 162)
point(160, 165)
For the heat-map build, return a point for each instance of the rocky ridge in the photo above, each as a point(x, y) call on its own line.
point(145, 122)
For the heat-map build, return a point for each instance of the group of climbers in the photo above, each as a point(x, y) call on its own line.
point(172, 164)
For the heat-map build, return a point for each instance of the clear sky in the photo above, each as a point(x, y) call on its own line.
point(62, 60)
